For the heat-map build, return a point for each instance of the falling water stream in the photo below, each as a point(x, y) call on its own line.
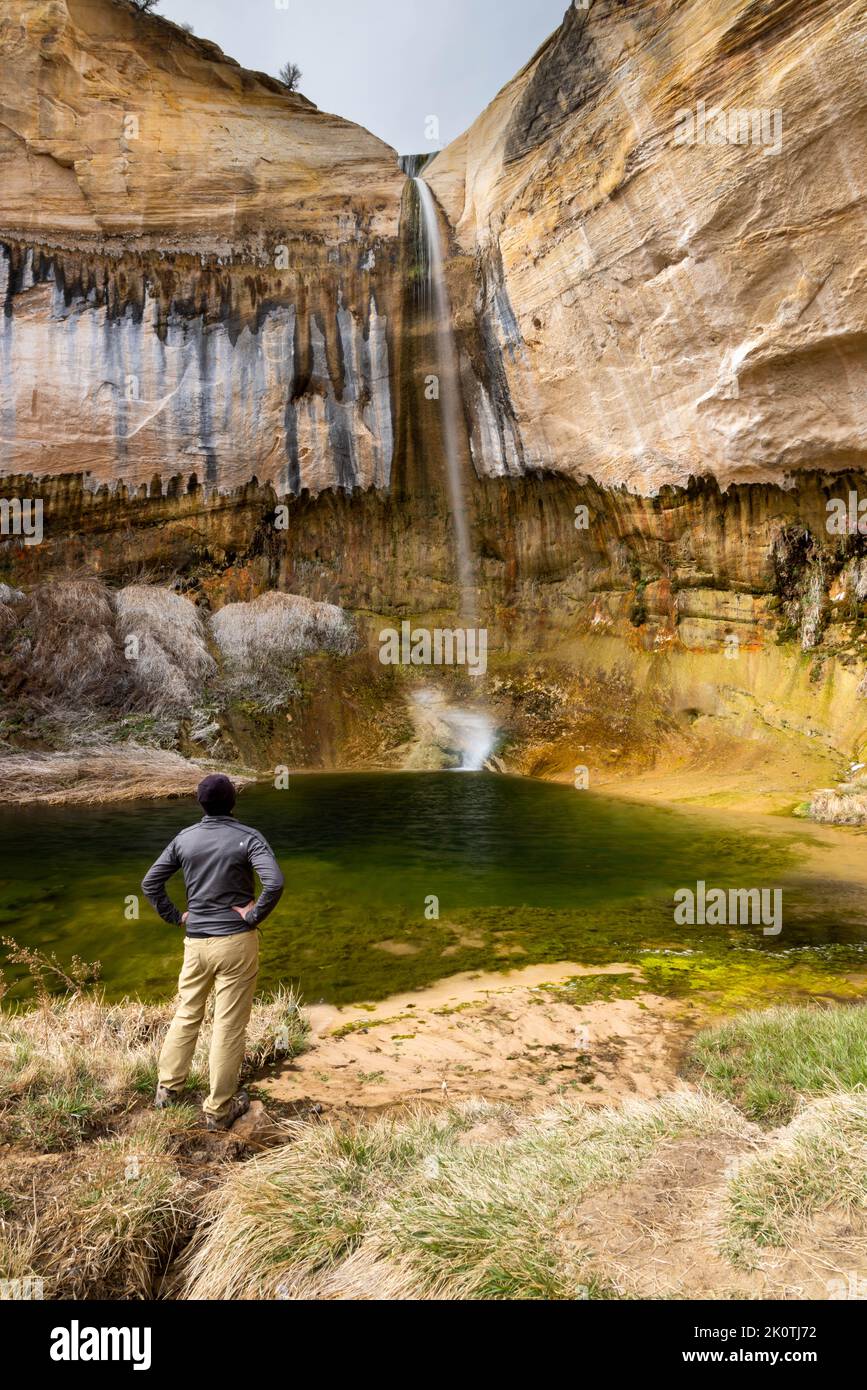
point(449, 396)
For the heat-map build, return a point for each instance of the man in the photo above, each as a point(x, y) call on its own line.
point(221, 948)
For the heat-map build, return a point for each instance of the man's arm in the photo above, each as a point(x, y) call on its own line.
point(154, 885)
point(262, 858)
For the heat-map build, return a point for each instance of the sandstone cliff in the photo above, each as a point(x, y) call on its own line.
point(672, 302)
point(195, 260)
point(122, 130)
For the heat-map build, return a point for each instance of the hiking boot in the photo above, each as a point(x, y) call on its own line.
point(164, 1098)
point(237, 1107)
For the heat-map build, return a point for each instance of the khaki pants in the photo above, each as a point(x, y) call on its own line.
point(228, 965)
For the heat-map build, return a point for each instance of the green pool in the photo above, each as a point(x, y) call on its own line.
point(521, 872)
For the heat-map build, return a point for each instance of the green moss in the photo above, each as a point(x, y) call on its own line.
point(589, 989)
point(739, 979)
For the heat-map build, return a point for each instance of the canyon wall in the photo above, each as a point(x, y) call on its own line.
point(198, 265)
point(215, 353)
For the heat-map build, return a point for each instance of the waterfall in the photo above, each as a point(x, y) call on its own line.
point(461, 737)
point(412, 164)
point(449, 395)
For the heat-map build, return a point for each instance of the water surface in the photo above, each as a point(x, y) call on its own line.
point(523, 871)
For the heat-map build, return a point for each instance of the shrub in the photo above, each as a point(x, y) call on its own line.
point(172, 663)
point(290, 76)
point(67, 647)
point(262, 642)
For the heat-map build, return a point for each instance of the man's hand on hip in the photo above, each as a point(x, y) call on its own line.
point(242, 911)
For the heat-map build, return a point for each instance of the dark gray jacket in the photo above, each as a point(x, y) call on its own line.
point(218, 856)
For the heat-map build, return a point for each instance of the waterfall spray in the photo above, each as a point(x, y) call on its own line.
point(464, 735)
point(449, 396)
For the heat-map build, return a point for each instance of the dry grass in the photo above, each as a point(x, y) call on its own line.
point(9, 597)
point(172, 664)
point(82, 666)
point(479, 1201)
point(104, 1220)
point(76, 645)
point(414, 1208)
point(816, 1166)
point(76, 1065)
point(112, 772)
point(843, 805)
point(262, 642)
point(97, 1190)
point(66, 648)
point(17, 1248)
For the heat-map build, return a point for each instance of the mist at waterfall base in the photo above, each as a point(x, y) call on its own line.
point(522, 872)
point(464, 734)
point(473, 734)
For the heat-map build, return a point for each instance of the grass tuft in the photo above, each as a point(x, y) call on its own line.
point(75, 1064)
point(817, 1165)
point(339, 1215)
point(765, 1062)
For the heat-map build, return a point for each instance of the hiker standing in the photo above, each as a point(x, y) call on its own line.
point(221, 948)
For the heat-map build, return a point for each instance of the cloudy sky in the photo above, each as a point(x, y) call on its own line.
point(388, 64)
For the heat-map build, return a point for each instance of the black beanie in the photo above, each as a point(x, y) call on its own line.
point(216, 795)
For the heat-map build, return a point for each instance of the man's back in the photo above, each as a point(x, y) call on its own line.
point(218, 856)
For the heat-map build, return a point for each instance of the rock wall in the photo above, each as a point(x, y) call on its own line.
point(198, 267)
point(674, 301)
point(126, 370)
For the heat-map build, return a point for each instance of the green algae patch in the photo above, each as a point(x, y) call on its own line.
point(746, 979)
point(364, 1025)
point(592, 989)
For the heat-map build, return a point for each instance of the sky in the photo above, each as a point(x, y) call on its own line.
point(387, 64)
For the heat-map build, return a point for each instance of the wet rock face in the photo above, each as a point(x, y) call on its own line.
point(696, 568)
point(126, 371)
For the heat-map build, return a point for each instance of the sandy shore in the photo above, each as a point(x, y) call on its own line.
point(503, 1036)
